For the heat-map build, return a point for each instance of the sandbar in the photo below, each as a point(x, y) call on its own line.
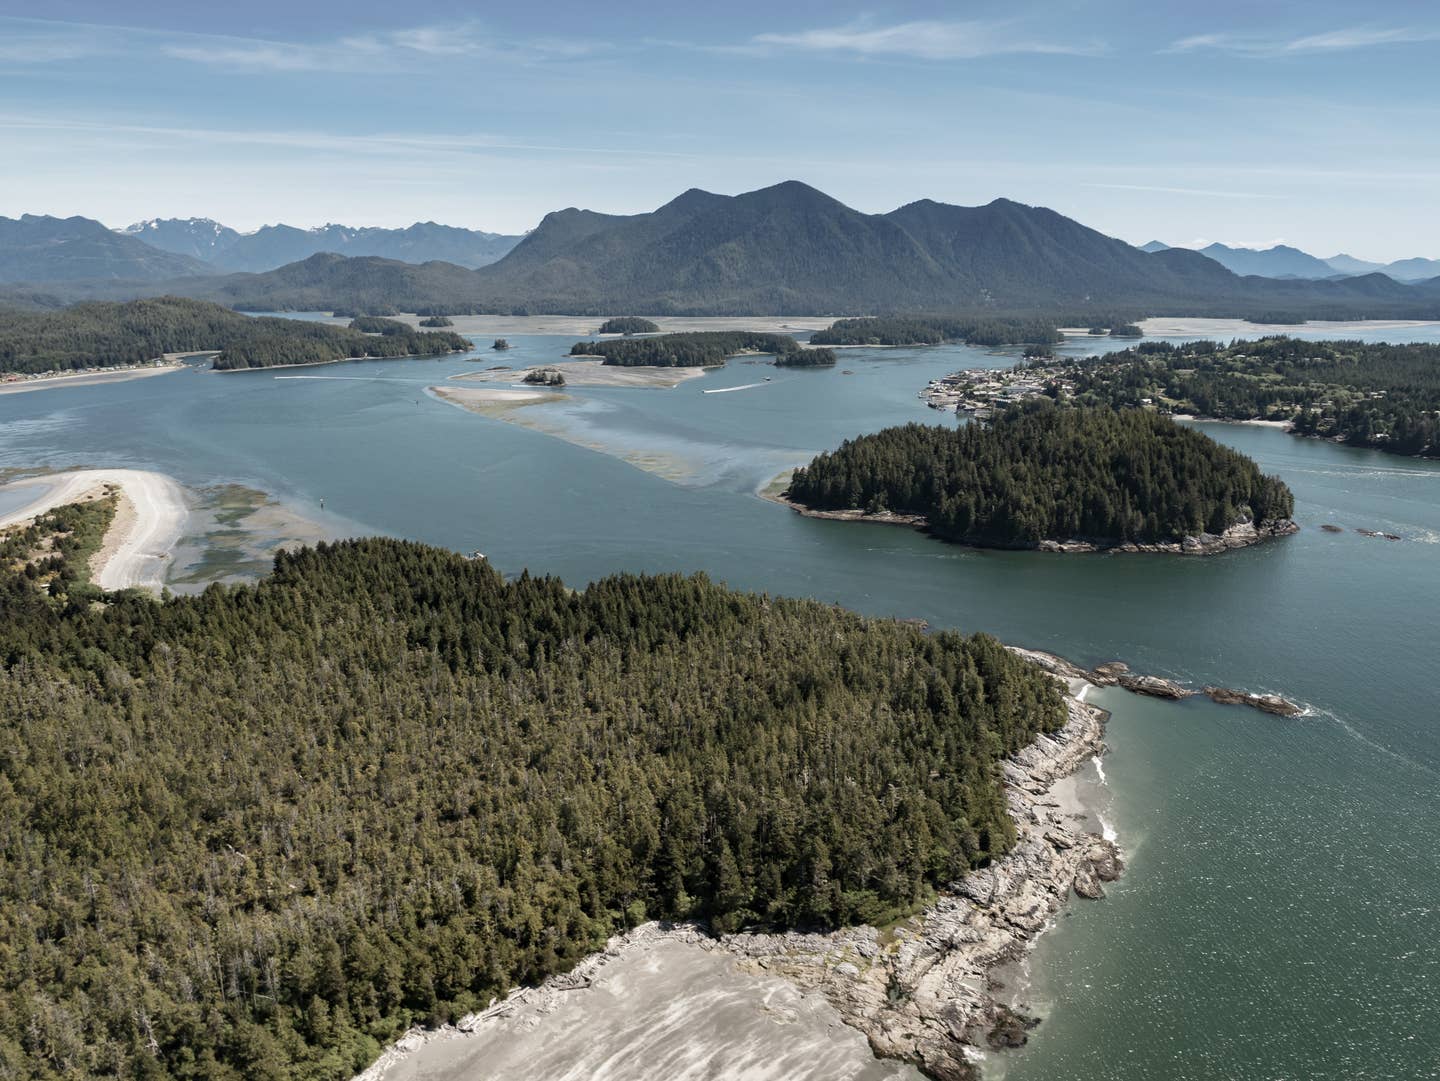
point(1219, 329)
point(591, 372)
point(147, 524)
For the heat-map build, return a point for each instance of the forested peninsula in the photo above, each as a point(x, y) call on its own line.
point(258, 832)
point(1042, 476)
point(695, 349)
point(933, 330)
point(1361, 393)
point(104, 334)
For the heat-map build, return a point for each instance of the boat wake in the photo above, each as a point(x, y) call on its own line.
point(742, 386)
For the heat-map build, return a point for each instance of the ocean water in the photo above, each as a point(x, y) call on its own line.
point(1280, 917)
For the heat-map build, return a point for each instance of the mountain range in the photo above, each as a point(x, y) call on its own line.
point(788, 249)
point(1283, 261)
point(39, 248)
point(275, 245)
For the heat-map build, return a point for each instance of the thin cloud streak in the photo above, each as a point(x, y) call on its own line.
point(926, 39)
point(1328, 42)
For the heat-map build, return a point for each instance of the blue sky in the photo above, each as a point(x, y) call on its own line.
point(1305, 123)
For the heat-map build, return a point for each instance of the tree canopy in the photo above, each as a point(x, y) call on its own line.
point(255, 833)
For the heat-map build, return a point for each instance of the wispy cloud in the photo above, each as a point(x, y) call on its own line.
point(35, 41)
point(926, 39)
point(1209, 193)
point(1330, 41)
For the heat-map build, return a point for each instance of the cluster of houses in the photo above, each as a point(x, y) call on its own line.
point(980, 391)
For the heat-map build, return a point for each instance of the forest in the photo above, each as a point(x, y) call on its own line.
point(102, 334)
point(1041, 472)
point(1365, 394)
point(258, 832)
point(932, 330)
point(704, 348)
point(628, 324)
point(806, 358)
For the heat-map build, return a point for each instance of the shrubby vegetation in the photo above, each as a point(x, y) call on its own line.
point(628, 324)
point(706, 348)
point(1042, 472)
point(255, 833)
point(1365, 394)
point(932, 330)
point(104, 334)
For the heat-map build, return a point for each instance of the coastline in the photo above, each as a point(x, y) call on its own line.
point(148, 521)
point(1240, 535)
point(337, 360)
point(49, 381)
point(920, 992)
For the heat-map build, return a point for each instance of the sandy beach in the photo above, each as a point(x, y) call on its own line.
point(491, 400)
point(1222, 329)
point(591, 372)
point(588, 326)
point(80, 379)
point(147, 524)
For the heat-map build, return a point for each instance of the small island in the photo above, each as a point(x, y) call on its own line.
point(628, 324)
point(500, 344)
point(437, 321)
point(806, 358)
point(1044, 477)
point(545, 377)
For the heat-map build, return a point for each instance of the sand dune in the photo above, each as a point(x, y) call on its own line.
point(146, 527)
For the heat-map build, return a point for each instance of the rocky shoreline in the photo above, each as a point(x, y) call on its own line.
point(921, 991)
point(1240, 535)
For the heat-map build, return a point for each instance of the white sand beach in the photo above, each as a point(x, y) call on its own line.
point(1219, 329)
point(146, 528)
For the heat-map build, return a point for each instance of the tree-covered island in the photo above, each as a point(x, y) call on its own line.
point(696, 349)
point(628, 324)
point(1042, 476)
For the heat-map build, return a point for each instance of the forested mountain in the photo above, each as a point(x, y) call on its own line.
point(256, 833)
point(789, 249)
point(39, 248)
point(1045, 473)
point(1362, 393)
point(106, 333)
point(276, 245)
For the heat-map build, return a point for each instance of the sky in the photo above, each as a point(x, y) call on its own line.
point(1306, 123)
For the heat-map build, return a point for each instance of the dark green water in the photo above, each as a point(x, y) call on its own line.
point(1281, 915)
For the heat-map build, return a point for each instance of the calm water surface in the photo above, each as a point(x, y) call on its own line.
point(1280, 918)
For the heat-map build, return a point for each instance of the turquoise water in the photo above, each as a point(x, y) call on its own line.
point(1281, 915)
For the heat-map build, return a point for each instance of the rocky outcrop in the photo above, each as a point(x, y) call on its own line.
point(1267, 703)
point(1240, 535)
point(1118, 674)
point(1154, 686)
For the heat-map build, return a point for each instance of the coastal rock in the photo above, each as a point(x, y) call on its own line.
point(1154, 686)
point(1329, 528)
point(1109, 673)
point(1268, 703)
point(1086, 883)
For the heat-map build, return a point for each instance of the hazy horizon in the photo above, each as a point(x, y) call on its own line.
point(1292, 125)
